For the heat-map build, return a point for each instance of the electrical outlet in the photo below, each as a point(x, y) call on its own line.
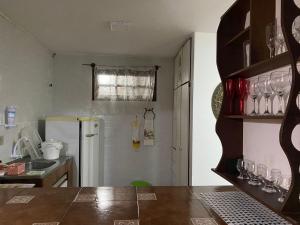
point(1, 140)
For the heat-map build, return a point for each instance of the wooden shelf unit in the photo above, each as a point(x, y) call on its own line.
point(230, 37)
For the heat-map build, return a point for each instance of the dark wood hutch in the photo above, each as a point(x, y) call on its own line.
point(230, 38)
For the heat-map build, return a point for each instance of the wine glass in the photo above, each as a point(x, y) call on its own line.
point(270, 38)
point(287, 89)
point(280, 46)
point(241, 86)
point(283, 185)
point(269, 182)
point(261, 172)
point(254, 93)
point(266, 90)
point(252, 173)
point(241, 168)
point(275, 176)
point(229, 90)
point(279, 83)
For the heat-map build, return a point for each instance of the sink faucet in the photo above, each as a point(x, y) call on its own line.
point(32, 151)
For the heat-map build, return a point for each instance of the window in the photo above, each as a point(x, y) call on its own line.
point(125, 84)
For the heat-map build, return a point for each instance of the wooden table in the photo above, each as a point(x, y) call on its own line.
point(106, 206)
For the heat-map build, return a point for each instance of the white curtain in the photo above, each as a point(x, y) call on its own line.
point(124, 84)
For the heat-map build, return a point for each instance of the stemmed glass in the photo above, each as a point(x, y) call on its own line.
point(241, 165)
point(241, 90)
point(275, 177)
point(254, 93)
point(287, 88)
point(279, 41)
point(253, 174)
point(270, 38)
point(283, 185)
point(262, 171)
point(279, 83)
point(266, 91)
point(229, 90)
point(269, 180)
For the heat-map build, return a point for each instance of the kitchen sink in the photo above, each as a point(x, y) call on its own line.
point(39, 164)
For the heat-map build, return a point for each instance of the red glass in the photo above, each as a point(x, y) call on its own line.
point(241, 90)
point(229, 91)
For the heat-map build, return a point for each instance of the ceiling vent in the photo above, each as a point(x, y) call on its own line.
point(119, 25)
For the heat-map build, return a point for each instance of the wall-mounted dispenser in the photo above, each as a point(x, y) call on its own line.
point(8, 120)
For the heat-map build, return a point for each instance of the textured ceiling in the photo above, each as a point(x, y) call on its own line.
point(158, 27)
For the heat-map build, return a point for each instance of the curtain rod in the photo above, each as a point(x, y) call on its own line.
point(93, 65)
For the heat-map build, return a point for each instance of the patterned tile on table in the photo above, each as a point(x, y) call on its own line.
point(203, 221)
point(86, 198)
point(7, 194)
point(21, 199)
point(126, 222)
point(146, 197)
point(50, 223)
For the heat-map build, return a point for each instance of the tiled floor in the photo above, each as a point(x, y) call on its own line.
point(106, 206)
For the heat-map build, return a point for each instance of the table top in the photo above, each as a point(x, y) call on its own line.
point(106, 206)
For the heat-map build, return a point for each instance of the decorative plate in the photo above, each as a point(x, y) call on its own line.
point(216, 101)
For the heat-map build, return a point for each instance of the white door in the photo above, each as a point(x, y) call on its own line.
point(186, 62)
point(176, 167)
point(184, 134)
point(91, 155)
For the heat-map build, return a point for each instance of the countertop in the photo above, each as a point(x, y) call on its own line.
point(59, 162)
point(108, 206)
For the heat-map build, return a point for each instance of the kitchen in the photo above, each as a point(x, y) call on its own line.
point(126, 102)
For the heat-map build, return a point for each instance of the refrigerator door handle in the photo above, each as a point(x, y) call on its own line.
point(90, 135)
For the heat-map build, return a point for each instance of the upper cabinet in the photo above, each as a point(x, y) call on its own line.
point(182, 68)
point(186, 62)
point(177, 69)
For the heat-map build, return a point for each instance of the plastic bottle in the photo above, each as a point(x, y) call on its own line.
point(10, 115)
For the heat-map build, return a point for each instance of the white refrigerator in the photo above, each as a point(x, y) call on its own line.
point(83, 139)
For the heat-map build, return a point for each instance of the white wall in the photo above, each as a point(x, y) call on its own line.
point(72, 95)
point(25, 72)
point(206, 146)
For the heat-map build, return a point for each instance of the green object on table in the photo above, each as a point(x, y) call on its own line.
point(140, 183)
